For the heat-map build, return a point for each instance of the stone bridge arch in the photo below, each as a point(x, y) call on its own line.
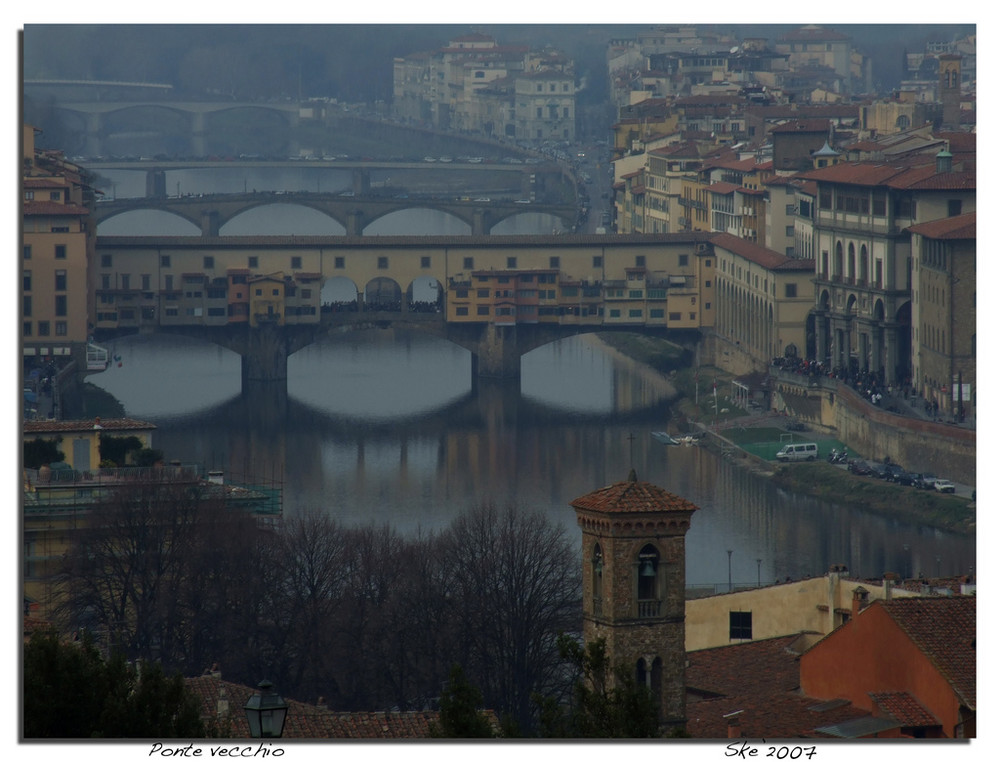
point(178, 212)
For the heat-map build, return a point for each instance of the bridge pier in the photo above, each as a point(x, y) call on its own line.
point(498, 355)
point(266, 354)
point(355, 222)
point(210, 223)
point(156, 184)
point(361, 181)
point(480, 222)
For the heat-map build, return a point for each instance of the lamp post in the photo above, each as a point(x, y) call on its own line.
point(266, 712)
point(730, 570)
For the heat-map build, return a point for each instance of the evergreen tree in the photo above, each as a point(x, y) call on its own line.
point(461, 715)
point(71, 691)
point(607, 701)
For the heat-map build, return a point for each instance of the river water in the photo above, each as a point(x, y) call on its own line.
point(391, 428)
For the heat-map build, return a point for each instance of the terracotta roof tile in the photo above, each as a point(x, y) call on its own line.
point(962, 227)
point(632, 497)
point(945, 630)
point(760, 255)
point(308, 720)
point(904, 708)
point(760, 679)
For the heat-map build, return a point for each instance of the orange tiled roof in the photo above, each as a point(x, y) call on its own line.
point(632, 497)
point(760, 679)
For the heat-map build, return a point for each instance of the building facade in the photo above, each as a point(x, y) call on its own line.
point(864, 259)
point(764, 302)
point(944, 314)
point(58, 243)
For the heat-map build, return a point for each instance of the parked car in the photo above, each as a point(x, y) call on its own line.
point(893, 472)
point(943, 485)
point(908, 478)
point(926, 481)
point(879, 470)
point(793, 425)
point(859, 466)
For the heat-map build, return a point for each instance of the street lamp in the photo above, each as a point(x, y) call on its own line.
point(266, 712)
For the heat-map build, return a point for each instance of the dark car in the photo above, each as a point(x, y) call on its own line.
point(908, 478)
point(893, 472)
point(926, 480)
point(859, 466)
point(793, 425)
point(879, 470)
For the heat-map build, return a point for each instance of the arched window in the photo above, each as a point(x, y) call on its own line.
point(647, 585)
point(838, 261)
point(597, 578)
point(851, 271)
point(863, 265)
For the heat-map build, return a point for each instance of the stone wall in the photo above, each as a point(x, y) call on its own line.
point(915, 444)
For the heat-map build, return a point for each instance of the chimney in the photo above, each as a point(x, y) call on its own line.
point(733, 729)
point(860, 602)
point(888, 583)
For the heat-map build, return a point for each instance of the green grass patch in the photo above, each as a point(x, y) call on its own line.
point(826, 482)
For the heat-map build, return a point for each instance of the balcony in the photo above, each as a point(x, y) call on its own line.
point(649, 609)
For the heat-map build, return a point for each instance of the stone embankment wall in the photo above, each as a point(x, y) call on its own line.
point(915, 444)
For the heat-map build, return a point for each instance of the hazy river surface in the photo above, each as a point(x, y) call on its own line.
point(384, 427)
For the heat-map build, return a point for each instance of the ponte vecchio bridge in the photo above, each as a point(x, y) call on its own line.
point(498, 296)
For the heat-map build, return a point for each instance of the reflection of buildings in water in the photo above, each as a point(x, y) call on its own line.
point(803, 536)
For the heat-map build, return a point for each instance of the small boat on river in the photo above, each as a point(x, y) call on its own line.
point(664, 438)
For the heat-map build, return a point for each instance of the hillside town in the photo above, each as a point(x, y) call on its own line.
point(822, 239)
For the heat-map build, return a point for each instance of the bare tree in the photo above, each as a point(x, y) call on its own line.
point(516, 585)
point(125, 573)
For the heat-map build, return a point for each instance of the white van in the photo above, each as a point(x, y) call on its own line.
point(804, 451)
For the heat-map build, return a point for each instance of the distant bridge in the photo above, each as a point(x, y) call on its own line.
point(354, 212)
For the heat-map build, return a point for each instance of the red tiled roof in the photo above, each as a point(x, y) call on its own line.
point(896, 175)
point(760, 679)
point(944, 629)
point(632, 497)
point(308, 720)
point(957, 228)
point(106, 424)
point(760, 255)
point(904, 708)
point(724, 188)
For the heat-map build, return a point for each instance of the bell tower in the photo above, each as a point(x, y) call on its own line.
point(633, 584)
